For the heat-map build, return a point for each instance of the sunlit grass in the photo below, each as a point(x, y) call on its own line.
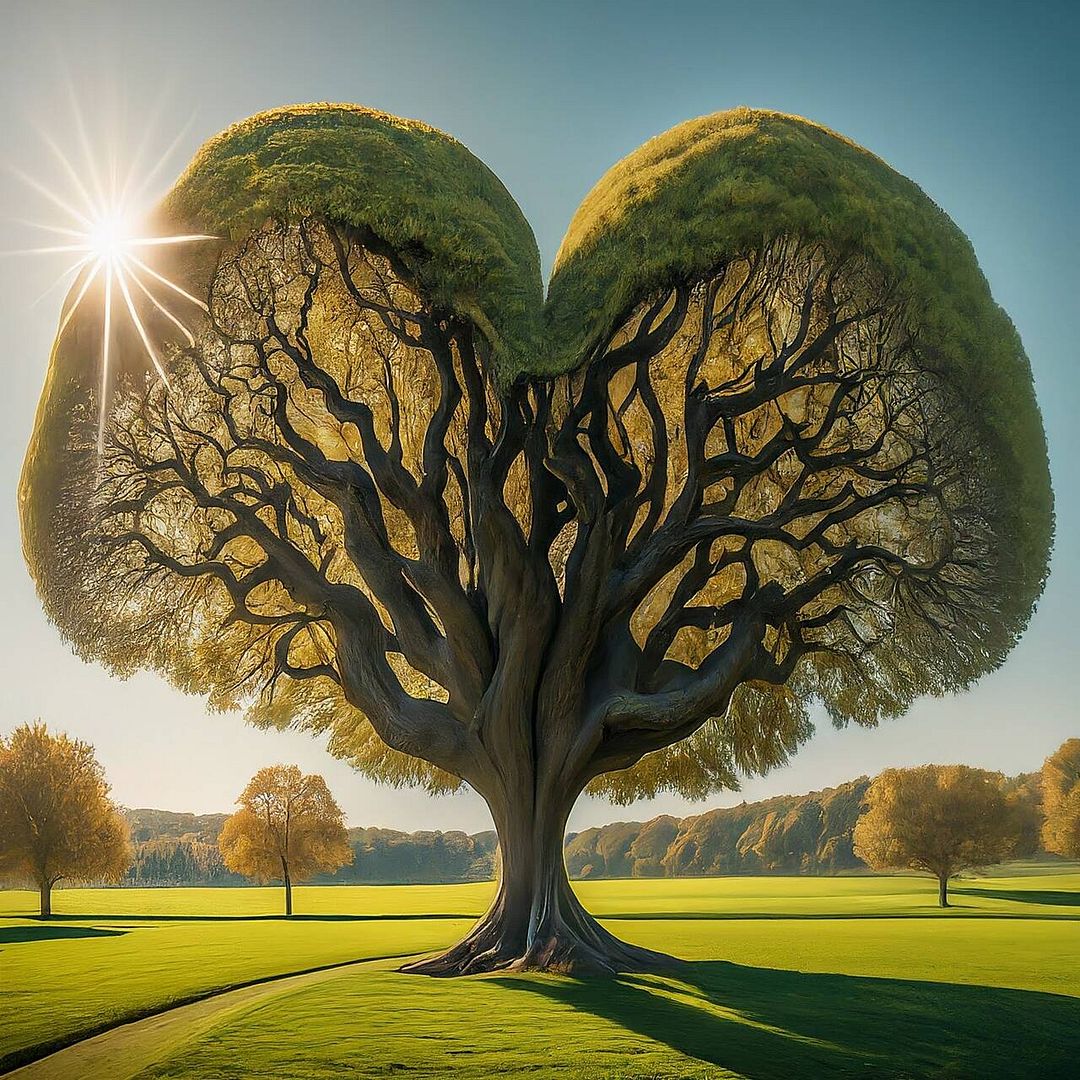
point(116, 953)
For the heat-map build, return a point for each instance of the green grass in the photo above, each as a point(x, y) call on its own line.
point(788, 977)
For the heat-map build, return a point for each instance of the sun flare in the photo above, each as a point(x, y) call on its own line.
point(108, 236)
point(103, 233)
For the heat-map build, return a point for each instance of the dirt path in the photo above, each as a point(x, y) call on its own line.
point(123, 1052)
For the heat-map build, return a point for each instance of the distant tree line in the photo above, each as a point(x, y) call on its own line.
point(181, 860)
point(384, 856)
point(788, 834)
point(58, 824)
point(380, 856)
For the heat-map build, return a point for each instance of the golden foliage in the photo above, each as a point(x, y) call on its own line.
point(288, 826)
point(57, 821)
point(940, 819)
point(1061, 800)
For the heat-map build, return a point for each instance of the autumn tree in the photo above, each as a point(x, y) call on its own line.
point(288, 828)
point(57, 822)
point(940, 819)
point(1061, 800)
point(1023, 795)
point(768, 441)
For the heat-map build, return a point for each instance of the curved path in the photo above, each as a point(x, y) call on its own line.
point(122, 1052)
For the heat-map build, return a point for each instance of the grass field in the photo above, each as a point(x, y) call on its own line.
point(789, 977)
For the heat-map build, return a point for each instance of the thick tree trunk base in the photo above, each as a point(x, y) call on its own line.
point(559, 953)
point(536, 922)
point(571, 942)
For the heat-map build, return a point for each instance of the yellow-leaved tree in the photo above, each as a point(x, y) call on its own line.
point(288, 828)
point(940, 819)
point(1061, 800)
point(57, 821)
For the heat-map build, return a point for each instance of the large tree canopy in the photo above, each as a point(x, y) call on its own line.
point(769, 441)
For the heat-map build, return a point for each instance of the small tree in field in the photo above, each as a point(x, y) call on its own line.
point(1061, 800)
point(288, 828)
point(56, 819)
point(940, 819)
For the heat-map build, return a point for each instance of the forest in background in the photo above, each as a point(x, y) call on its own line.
point(787, 834)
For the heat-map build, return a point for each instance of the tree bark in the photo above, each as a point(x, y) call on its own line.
point(535, 922)
point(288, 887)
point(45, 894)
point(943, 891)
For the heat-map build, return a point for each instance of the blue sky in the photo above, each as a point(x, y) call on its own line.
point(975, 101)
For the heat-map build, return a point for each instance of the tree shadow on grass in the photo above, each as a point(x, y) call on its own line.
point(11, 935)
point(955, 911)
point(1055, 897)
point(766, 1024)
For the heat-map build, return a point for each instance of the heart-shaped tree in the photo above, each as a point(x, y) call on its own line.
point(768, 441)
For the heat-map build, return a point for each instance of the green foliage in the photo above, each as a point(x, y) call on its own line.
point(182, 849)
point(762, 727)
point(426, 857)
point(713, 188)
point(419, 190)
point(685, 203)
point(179, 861)
point(148, 824)
point(789, 834)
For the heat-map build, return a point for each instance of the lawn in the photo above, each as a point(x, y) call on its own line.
point(788, 977)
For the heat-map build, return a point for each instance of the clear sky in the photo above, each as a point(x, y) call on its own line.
point(977, 102)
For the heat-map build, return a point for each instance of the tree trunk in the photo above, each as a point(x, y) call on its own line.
point(288, 887)
point(943, 891)
point(536, 923)
point(45, 894)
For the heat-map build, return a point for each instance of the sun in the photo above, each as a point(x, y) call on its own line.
point(108, 237)
point(103, 234)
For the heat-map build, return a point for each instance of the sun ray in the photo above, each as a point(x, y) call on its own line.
point(140, 191)
point(161, 241)
point(63, 279)
point(157, 303)
point(121, 280)
point(53, 197)
point(106, 335)
point(165, 281)
point(79, 298)
point(92, 208)
point(104, 239)
point(60, 230)
point(55, 249)
point(84, 140)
